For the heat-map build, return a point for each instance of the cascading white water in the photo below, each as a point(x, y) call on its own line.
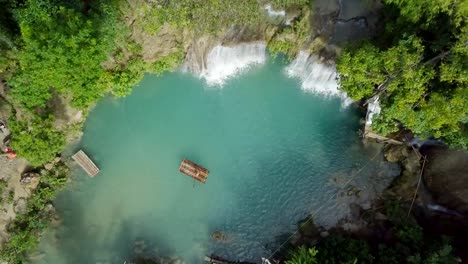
point(373, 108)
point(274, 13)
point(316, 76)
point(223, 62)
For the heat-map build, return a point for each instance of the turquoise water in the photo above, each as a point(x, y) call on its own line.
point(271, 150)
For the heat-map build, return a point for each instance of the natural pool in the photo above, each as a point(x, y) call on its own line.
point(271, 148)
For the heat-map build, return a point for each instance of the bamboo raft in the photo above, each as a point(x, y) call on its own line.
point(194, 170)
point(85, 162)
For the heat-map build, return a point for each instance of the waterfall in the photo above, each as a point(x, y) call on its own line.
point(278, 14)
point(442, 209)
point(373, 108)
point(274, 13)
point(316, 76)
point(223, 62)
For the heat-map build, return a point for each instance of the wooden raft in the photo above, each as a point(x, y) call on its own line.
point(194, 170)
point(85, 162)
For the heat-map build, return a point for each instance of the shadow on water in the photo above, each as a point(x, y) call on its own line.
point(124, 240)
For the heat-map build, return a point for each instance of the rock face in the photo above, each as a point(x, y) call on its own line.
point(236, 35)
point(197, 52)
point(164, 42)
point(5, 108)
point(396, 153)
point(405, 185)
point(20, 206)
point(446, 177)
point(64, 113)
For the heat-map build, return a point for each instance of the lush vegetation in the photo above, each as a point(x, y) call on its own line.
point(204, 16)
point(59, 47)
point(291, 39)
point(408, 244)
point(125, 78)
point(303, 255)
point(282, 4)
point(37, 140)
point(27, 227)
point(418, 66)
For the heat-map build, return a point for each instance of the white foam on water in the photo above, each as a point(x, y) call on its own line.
point(316, 77)
point(224, 62)
point(373, 108)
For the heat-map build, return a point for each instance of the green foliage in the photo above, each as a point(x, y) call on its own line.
point(205, 16)
point(442, 255)
point(408, 245)
point(37, 141)
point(360, 71)
point(122, 80)
point(364, 69)
point(168, 62)
point(26, 228)
point(418, 68)
point(343, 250)
point(290, 39)
point(286, 47)
point(283, 4)
point(7, 62)
point(425, 12)
point(303, 255)
point(62, 49)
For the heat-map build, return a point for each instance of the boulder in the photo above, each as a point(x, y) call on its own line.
point(395, 153)
point(20, 206)
point(446, 177)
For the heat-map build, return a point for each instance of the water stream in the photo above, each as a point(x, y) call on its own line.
point(275, 153)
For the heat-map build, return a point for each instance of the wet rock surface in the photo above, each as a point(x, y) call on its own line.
point(446, 177)
point(405, 185)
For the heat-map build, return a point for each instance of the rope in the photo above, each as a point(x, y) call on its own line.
point(417, 186)
point(323, 204)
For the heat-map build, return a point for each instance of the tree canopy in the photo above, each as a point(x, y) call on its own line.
point(418, 66)
point(62, 49)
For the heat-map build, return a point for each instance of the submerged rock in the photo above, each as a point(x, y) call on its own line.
point(219, 236)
